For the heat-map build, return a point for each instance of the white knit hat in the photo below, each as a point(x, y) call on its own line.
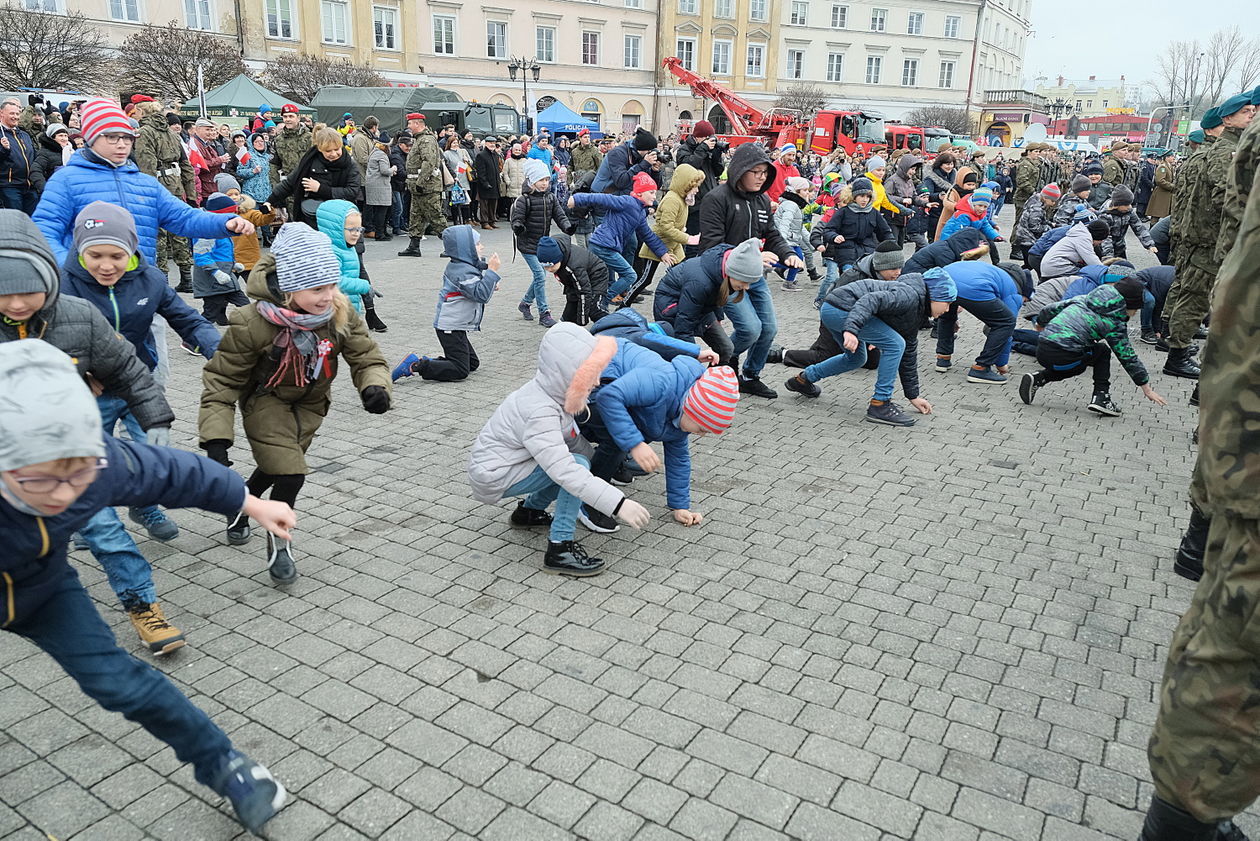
point(304, 258)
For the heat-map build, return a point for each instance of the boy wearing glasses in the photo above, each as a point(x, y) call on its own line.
point(57, 470)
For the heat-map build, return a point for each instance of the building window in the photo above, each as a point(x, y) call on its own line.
point(685, 49)
point(757, 9)
point(634, 4)
point(946, 79)
point(756, 61)
point(800, 13)
point(879, 20)
point(545, 43)
point(634, 51)
point(909, 72)
point(196, 12)
point(280, 19)
point(874, 64)
point(496, 39)
point(914, 24)
point(1078, 102)
point(590, 48)
point(835, 66)
point(1089, 104)
point(128, 10)
point(335, 17)
point(839, 17)
point(724, 9)
point(721, 58)
point(686, 7)
point(443, 35)
point(952, 24)
point(53, 6)
point(795, 64)
point(385, 27)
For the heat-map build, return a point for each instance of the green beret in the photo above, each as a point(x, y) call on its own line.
point(1255, 96)
point(1234, 104)
point(1210, 119)
point(1197, 136)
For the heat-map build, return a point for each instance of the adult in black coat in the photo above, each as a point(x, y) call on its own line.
point(49, 157)
point(966, 244)
point(486, 167)
point(401, 210)
point(705, 152)
point(324, 173)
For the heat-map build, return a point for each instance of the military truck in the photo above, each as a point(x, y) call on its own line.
point(392, 105)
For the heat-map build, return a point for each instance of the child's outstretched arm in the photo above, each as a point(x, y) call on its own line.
point(190, 325)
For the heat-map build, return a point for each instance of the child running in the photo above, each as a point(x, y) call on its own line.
point(341, 222)
point(278, 360)
point(624, 217)
point(532, 217)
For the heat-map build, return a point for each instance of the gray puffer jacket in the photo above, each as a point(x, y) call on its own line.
point(466, 284)
point(1069, 254)
point(531, 428)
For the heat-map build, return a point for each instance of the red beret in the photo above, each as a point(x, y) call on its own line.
point(415, 116)
point(583, 132)
point(290, 108)
point(137, 98)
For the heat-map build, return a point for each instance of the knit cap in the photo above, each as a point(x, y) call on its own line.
point(644, 140)
point(795, 183)
point(535, 171)
point(1052, 192)
point(1099, 230)
point(103, 116)
point(173, 119)
point(26, 263)
point(704, 129)
point(1092, 168)
point(743, 262)
point(264, 109)
point(102, 223)
point(982, 194)
point(788, 147)
point(1118, 271)
point(304, 258)
point(549, 252)
point(875, 162)
point(940, 285)
point(54, 128)
point(642, 183)
point(711, 400)
point(220, 203)
point(888, 255)
point(224, 182)
point(862, 187)
point(1019, 274)
point(1083, 213)
point(51, 413)
point(1121, 196)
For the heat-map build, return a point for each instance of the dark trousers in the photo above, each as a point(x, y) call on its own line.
point(457, 361)
point(489, 210)
point(374, 219)
point(214, 307)
point(994, 314)
point(17, 197)
point(825, 347)
point(608, 456)
point(1059, 363)
point(68, 629)
point(284, 487)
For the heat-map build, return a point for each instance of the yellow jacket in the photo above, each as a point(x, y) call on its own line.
point(880, 200)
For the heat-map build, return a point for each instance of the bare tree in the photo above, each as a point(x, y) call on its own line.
point(953, 120)
point(802, 96)
point(1249, 66)
point(1181, 75)
point(1226, 49)
point(299, 76)
point(163, 60)
point(41, 50)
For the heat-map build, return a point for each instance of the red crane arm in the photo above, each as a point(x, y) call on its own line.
point(742, 113)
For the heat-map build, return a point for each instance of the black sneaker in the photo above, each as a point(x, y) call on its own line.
point(775, 354)
point(280, 564)
point(1150, 337)
point(1102, 405)
point(755, 387)
point(569, 558)
point(1194, 396)
point(1028, 385)
point(526, 518)
point(802, 387)
point(597, 521)
point(238, 531)
point(622, 477)
point(888, 413)
point(256, 796)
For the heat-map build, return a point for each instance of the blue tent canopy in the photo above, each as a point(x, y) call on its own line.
point(558, 118)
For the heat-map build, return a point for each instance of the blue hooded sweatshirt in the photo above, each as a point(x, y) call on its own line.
point(624, 216)
point(466, 284)
point(982, 281)
point(1089, 278)
point(331, 219)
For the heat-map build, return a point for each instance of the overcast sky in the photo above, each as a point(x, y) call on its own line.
point(1083, 38)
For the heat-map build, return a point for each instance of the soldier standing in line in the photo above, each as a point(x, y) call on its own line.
point(1027, 173)
point(424, 179)
point(1113, 167)
point(291, 143)
point(160, 154)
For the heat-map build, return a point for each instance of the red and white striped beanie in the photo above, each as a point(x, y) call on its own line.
point(103, 116)
point(710, 402)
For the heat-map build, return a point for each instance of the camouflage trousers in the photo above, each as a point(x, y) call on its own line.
point(1190, 298)
point(426, 212)
point(1205, 749)
point(1020, 200)
point(171, 246)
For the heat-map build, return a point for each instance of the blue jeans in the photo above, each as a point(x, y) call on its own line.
point(875, 332)
point(617, 265)
point(755, 326)
point(540, 491)
point(16, 197)
point(68, 628)
point(129, 573)
point(397, 210)
point(829, 280)
point(1025, 341)
point(790, 275)
point(1148, 311)
point(537, 291)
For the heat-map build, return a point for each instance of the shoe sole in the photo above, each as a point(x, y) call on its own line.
point(528, 525)
point(1027, 391)
point(946, 368)
point(971, 379)
point(239, 540)
point(166, 646)
point(1181, 374)
point(590, 526)
point(572, 573)
point(883, 422)
point(1186, 572)
point(1106, 413)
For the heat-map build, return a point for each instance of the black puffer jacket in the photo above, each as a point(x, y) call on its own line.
point(902, 304)
point(532, 216)
point(862, 230)
point(728, 214)
point(708, 161)
point(584, 278)
point(687, 295)
point(943, 252)
point(47, 161)
point(339, 179)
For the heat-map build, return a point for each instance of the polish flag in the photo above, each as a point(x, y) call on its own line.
point(242, 155)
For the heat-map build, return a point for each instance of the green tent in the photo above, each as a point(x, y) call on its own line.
point(240, 98)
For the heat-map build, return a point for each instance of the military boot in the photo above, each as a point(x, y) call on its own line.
point(1180, 364)
point(1188, 562)
point(185, 280)
point(1165, 822)
point(412, 249)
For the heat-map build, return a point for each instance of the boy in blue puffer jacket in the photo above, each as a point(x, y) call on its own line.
point(993, 294)
point(467, 285)
point(624, 217)
point(341, 222)
point(214, 268)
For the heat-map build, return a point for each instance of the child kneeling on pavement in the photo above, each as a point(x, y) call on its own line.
point(886, 314)
point(531, 447)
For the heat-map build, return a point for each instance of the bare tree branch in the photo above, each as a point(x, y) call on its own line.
point(1249, 66)
point(41, 50)
point(802, 96)
point(1225, 50)
point(953, 120)
point(162, 60)
point(299, 76)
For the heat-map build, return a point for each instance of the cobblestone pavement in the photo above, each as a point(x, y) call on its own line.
point(949, 633)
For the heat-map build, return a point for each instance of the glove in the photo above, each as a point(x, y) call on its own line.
point(375, 399)
point(217, 450)
point(223, 278)
point(158, 436)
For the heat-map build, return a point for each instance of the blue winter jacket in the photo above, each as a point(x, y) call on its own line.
point(631, 325)
point(963, 219)
point(331, 219)
point(214, 262)
point(88, 178)
point(539, 154)
point(624, 217)
point(466, 284)
point(256, 185)
point(686, 297)
point(33, 565)
point(1047, 240)
point(130, 304)
point(1089, 278)
point(982, 281)
point(644, 403)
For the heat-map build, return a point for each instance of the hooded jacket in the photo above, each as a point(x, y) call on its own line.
point(902, 304)
point(88, 178)
point(863, 230)
point(707, 161)
point(1069, 254)
point(583, 276)
point(75, 327)
point(880, 200)
point(331, 217)
point(632, 326)
point(1089, 279)
point(624, 218)
point(943, 252)
point(47, 160)
point(967, 217)
point(337, 179)
point(1077, 324)
point(1046, 293)
point(789, 218)
point(532, 217)
point(534, 426)
point(1033, 222)
point(467, 283)
point(687, 295)
point(256, 185)
point(728, 214)
point(979, 280)
point(900, 187)
point(670, 221)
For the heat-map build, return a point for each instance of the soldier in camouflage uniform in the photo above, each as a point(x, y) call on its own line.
point(159, 153)
point(1203, 750)
point(1195, 256)
point(1026, 175)
point(291, 143)
point(1113, 167)
point(424, 179)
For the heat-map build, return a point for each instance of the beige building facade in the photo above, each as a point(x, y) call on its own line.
point(1092, 97)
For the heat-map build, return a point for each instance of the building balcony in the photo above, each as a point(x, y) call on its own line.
point(1027, 99)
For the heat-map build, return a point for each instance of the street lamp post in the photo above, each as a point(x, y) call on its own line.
point(525, 67)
